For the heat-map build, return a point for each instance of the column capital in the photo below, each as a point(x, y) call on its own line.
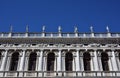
point(59, 49)
point(23, 49)
point(77, 49)
point(112, 49)
point(95, 49)
point(6, 49)
point(41, 49)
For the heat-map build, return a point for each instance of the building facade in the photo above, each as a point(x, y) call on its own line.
point(60, 55)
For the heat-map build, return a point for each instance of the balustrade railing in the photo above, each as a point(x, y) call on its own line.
point(62, 74)
point(64, 35)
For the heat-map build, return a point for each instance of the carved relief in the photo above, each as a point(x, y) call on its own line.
point(95, 45)
point(112, 45)
point(63, 53)
point(28, 53)
point(74, 54)
point(99, 53)
point(116, 54)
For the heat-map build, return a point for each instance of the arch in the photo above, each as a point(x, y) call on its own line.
point(104, 59)
point(14, 61)
point(86, 60)
point(68, 61)
point(50, 61)
point(32, 61)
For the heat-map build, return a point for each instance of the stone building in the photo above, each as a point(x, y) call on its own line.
point(60, 55)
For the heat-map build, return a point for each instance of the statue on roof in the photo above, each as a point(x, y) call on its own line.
point(75, 29)
point(43, 29)
point(107, 28)
point(91, 29)
point(59, 29)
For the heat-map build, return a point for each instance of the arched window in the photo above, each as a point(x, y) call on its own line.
point(14, 61)
point(104, 59)
point(68, 61)
point(32, 61)
point(86, 59)
point(50, 61)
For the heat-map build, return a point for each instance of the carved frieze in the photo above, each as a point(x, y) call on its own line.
point(60, 40)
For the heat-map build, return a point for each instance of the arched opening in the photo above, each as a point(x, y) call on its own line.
point(68, 61)
point(32, 61)
point(50, 61)
point(86, 59)
point(14, 61)
point(104, 59)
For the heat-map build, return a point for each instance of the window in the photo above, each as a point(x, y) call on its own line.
point(50, 61)
point(32, 62)
point(14, 61)
point(68, 61)
point(86, 59)
point(104, 59)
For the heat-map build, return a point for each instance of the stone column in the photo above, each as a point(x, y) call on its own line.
point(81, 62)
point(22, 61)
point(92, 61)
point(4, 61)
point(96, 63)
point(100, 61)
point(95, 60)
point(77, 61)
point(59, 63)
point(40, 63)
point(114, 63)
point(110, 62)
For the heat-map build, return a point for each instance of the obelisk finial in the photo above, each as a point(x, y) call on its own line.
point(27, 28)
point(11, 28)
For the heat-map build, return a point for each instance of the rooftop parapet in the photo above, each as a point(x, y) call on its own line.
point(58, 34)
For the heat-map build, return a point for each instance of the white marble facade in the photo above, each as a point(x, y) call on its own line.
point(59, 55)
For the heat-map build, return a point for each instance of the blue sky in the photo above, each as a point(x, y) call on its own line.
point(64, 13)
